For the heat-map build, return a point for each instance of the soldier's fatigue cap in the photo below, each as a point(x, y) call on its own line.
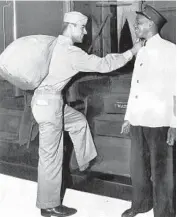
point(75, 17)
point(152, 14)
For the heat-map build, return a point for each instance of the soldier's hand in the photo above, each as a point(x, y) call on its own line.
point(137, 46)
point(125, 127)
point(171, 136)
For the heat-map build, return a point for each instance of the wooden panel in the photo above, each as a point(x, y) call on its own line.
point(106, 33)
point(115, 103)
point(120, 84)
point(109, 125)
point(8, 137)
point(168, 10)
point(114, 155)
point(85, 8)
point(6, 37)
point(96, 22)
point(6, 89)
point(9, 120)
point(68, 6)
point(169, 30)
point(39, 17)
point(163, 5)
point(93, 85)
point(13, 103)
point(9, 125)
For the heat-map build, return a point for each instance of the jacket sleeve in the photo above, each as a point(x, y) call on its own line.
point(171, 74)
point(128, 109)
point(81, 61)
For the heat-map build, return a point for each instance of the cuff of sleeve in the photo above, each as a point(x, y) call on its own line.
point(126, 117)
point(173, 122)
point(128, 55)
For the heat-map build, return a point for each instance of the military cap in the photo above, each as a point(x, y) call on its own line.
point(75, 17)
point(152, 14)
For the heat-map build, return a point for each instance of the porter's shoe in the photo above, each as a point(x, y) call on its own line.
point(129, 213)
point(59, 211)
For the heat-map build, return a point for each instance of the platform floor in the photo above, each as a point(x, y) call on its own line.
point(18, 197)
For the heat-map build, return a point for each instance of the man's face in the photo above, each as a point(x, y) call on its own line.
point(78, 33)
point(142, 26)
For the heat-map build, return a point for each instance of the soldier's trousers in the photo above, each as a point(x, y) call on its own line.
point(47, 111)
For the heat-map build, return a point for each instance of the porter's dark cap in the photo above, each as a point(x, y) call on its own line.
point(152, 14)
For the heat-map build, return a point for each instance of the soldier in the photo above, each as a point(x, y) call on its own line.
point(67, 60)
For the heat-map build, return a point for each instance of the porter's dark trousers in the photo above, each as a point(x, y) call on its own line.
point(152, 171)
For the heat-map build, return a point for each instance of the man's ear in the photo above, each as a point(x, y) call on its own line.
point(70, 27)
point(151, 23)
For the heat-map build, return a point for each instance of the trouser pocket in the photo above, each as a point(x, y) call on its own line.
point(46, 110)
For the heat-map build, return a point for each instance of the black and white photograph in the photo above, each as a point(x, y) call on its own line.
point(88, 108)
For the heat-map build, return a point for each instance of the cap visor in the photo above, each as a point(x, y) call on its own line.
point(141, 13)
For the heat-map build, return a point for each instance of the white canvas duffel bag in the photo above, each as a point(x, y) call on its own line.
point(25, 62)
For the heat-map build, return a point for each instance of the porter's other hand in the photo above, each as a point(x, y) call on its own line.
point(171, 136)
point(125, 127)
